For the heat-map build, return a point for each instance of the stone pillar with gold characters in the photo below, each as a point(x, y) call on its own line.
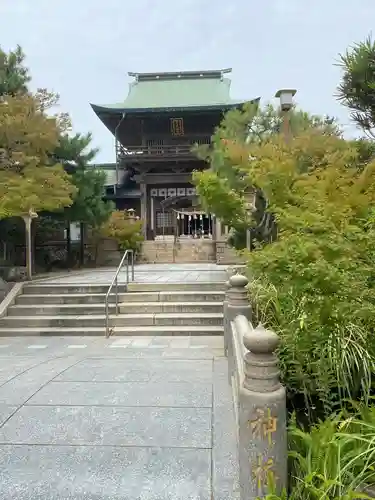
point(262, 418)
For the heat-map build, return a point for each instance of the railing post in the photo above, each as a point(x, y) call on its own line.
point(132, 260)
point(237, 304)
point(262, 417)
point(225, 318)
point(116, 292)
point(106, 320)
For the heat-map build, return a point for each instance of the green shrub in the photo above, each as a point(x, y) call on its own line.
point(125, 230)
point(315, 285)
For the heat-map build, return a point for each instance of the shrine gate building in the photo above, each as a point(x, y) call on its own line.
point(155, 130)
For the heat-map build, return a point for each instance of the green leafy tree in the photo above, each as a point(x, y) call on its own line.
point(73, 152)
point(315, 285)
point(357, 88)
point(29, 183)
point(269, 121)
point(222, 188)
point(27, 179)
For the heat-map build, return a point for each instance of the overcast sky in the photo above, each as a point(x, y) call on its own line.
point(83, 49)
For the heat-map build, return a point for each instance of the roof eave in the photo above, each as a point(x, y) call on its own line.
point(119, 110)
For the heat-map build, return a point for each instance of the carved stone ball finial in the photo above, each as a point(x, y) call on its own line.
point(237, 293)
point(261, 341)
point(260, 362)
point(238, 281)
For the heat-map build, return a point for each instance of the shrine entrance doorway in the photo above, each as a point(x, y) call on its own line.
point(188, 219)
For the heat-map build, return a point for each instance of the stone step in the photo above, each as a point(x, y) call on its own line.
point(196, 295)
point(142, 331)
point(124, 308)
point(171, 307)
point(177, 287)
point(64, 298)
point(67, 288)
point(58, 309)
point(97, 320)
point(99, 298)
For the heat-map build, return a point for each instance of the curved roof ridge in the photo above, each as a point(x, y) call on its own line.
point(176, 75)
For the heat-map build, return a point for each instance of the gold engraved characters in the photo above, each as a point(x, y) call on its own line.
point(264, 424)
point(263, 472)
point(177, 126)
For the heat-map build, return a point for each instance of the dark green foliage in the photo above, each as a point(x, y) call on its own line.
point(88, 205)
point(357, 88)
point(14, 76)
point(76, 154)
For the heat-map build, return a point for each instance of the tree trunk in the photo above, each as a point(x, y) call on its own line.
point(68, 243)
point(82, 244)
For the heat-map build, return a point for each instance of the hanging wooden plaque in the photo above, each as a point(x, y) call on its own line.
point(177, 126)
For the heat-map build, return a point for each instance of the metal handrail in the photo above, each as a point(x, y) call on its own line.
point(125, 258)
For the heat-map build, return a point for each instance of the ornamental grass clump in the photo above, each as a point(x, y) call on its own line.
point(334, 460)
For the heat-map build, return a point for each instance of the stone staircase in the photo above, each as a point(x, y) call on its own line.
point(144, 309)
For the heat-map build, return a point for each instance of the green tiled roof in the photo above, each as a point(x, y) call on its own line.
point(163, 91)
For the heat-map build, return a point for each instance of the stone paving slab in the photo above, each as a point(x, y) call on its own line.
point(104, 473)
point(225, 480)
point(109, 426)
point(135, 370)
point(19, 389)
point(5, 412)
point(148, 273)
point(143, 423)
point(175, 394)
point(24, 347)
point(10, 368)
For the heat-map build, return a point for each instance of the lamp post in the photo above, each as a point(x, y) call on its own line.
point(286, 104)
point(28, 218)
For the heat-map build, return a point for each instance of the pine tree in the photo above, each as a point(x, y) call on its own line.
point(14, 76)
point(357, 88)
point(88, 207)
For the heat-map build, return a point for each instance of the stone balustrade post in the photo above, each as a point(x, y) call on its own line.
point(262, 417)
point(237, 304)
point(226, 323)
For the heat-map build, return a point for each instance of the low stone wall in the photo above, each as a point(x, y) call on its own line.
point(195, 250)
point(183, 251)
point(225, 254)
point(189, 250)
point(13, 273)
point(108, 253)
point(161, 251)
point(4, 289)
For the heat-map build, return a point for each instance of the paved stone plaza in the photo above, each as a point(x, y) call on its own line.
point(131, 418)
point(150, 273)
